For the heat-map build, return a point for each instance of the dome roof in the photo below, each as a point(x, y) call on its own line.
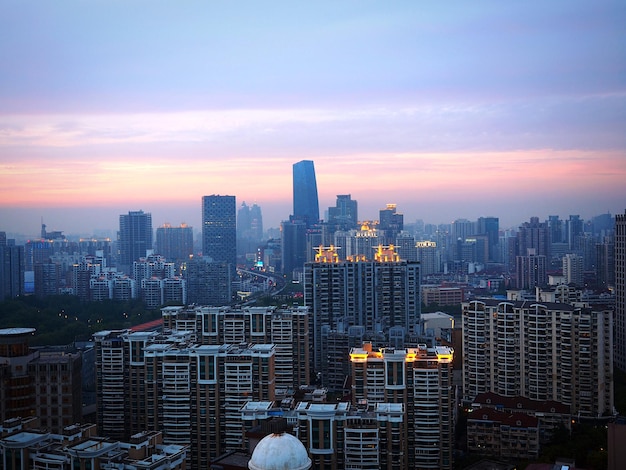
point(279, 452)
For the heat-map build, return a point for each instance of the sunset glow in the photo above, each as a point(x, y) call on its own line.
point(447, 112)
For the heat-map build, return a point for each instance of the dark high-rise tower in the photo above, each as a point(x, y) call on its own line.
point(219, 229)
point(620, 291)
point(11, 268)
point(490, 226)
point(344, 216)
point(305, 202)
point(175, 243)
point(134, 238)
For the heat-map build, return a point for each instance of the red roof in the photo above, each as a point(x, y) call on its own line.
point(148, 326)
point(513, 419)
point(494, 400)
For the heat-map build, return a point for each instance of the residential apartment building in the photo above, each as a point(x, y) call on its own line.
point(192, 392)
point(379, 295)
point(23, 444)
point(340, 436)
point(503, 435)
point(541, 351)
point(620, 291)
point(420, 380)
point(39, 383)
point(286, 328)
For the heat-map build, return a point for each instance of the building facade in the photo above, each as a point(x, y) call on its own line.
point(305, 201)
point(23, 444)
point(134, 239)
point(174, 243)
point(541, 351)
point(39, 383)
point(377, 295)
point(620, 291)
point(192, 380)
point(420, 380)
point(219, 229)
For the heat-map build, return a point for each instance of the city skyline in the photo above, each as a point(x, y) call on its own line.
point(450, 112)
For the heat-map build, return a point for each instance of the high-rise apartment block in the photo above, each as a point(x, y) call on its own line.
point(541, 351)
point(534, 235)
point(286, 328)
point(134, 239)
point(174, 243)
point(39, 383)
point(24, 443)
point(620, 291)
point(192, 380)
point(573, 269)
point(531, 270)
point(379, 295)
point(420, 380)
point(401, 414)
point(219, 229)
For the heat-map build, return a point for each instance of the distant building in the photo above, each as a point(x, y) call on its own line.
point(442, 295)
point(208, 282)
point(573, 269)
point(345, 215)
point(174, 243)
point(134, 239)
point(219, 229)
point(48, 279)
point(531, 270)
point(250, 222)
point(293, 246)
point(305, 201)
point(391, 223)
point(12, 268)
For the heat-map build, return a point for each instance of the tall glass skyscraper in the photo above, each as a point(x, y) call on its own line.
point(134, 238)
point(305, 202)
point(219, 229)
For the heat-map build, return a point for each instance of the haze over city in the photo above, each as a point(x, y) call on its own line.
point(447, 110)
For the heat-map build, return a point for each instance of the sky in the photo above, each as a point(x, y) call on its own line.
point(449, 109)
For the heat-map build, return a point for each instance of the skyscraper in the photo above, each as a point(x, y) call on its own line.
point(11, 268)
point(219, 229)
point(344, 216)
point(620, 291)
point(391, 223)
point(134, 238)
point(305, 202)
point(250, 222)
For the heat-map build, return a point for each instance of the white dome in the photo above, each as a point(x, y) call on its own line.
point(279, 452)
